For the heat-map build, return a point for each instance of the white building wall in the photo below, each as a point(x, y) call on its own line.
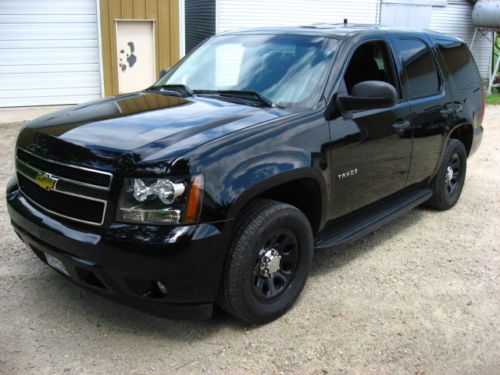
point(455, 19)
point(406, 15)
point(238, 14)
point(49, 52)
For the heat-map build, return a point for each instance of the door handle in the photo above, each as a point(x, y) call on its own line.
point(458, 107)
point(446, 112)
point(401, 126)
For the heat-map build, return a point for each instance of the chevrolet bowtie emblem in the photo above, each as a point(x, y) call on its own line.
point(46, 181)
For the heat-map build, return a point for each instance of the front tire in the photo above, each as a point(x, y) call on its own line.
point(268, 262)
point(449, 181)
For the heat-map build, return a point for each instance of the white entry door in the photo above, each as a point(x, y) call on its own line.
point(135, 54)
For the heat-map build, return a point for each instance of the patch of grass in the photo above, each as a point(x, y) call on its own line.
point(493, 99)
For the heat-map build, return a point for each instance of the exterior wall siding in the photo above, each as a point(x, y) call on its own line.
point(200, 21)
point(406, 15)
point(236, 14)
point(49, 52)
point(165, 13)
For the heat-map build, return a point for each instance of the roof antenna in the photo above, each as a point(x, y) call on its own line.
point(345, 22)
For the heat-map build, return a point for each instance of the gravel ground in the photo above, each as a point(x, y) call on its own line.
point(419, 296)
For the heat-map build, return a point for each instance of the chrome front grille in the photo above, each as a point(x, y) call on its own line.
point(69, 191)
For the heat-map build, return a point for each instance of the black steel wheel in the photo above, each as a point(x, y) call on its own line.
point(268, 262)
point(453, 172)
point(449, 181)
point(275, 265)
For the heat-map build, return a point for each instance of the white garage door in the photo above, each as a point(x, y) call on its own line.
point(49, 52)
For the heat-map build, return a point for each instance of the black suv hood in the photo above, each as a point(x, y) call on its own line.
point(142, 127)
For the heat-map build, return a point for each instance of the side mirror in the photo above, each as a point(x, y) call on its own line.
point(369, 95)
point(163, 72)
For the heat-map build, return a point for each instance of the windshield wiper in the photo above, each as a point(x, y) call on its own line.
point(177, 88)
point(242, 94)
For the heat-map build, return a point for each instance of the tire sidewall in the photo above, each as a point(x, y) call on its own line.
point(453, 147)
point(294, 220)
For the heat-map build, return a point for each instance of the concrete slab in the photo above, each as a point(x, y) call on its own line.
point(23, 114)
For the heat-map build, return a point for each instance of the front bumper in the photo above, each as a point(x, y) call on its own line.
point(124, 262)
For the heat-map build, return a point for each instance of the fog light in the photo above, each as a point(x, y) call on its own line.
point(161, 287)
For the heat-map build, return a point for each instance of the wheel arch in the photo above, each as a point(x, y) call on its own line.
point(464, 133)
point(291, 187)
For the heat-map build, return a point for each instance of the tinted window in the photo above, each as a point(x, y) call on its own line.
point(460, 64)
point(369, 62)
point(421, 75)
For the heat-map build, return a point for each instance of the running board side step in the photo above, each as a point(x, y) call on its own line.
point(367, 220)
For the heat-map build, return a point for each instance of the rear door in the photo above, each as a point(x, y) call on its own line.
point(431, 104)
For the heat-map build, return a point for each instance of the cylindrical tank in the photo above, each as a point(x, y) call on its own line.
point(486, 13)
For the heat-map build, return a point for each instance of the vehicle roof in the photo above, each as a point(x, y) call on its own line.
point(338, 30)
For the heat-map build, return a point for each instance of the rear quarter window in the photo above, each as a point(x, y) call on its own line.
point(459, 64)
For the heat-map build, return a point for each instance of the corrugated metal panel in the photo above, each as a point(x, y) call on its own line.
point(406, 15)
point(440, 3)
point(48, 52)
point(455, 19)
point(237, 14)
point(200, 21)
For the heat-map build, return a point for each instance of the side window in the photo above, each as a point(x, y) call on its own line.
point(460, 64)
point(421, 75)
point(371, 61)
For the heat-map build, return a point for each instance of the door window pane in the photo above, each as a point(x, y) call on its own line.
point(421, 75)
point(370, 62)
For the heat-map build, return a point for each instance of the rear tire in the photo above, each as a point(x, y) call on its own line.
point(449, 181)
point(268, 262)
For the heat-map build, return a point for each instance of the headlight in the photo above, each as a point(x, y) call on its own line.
point(160, 200)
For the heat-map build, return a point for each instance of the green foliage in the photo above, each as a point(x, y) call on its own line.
point(493, 99)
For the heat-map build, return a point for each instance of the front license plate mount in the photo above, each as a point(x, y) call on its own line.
point(56, 264)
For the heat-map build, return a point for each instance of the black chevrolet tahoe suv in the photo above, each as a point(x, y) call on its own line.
point(215, 185)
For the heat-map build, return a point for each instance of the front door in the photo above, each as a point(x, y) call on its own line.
point(371, 149)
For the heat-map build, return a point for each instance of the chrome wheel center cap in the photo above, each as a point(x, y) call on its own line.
point(269, 262)
point(449, 174)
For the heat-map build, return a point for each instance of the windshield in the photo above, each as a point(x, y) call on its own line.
point(285, 69)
